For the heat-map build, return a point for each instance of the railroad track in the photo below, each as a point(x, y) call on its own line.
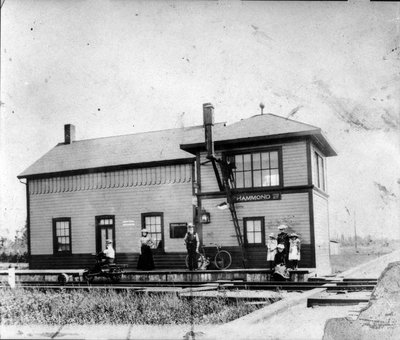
point(330, 286)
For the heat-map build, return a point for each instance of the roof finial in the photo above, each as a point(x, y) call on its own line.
point(262, 107)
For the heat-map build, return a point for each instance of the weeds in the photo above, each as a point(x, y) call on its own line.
point(21, 306)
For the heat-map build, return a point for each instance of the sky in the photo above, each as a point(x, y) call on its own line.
point(117, 67)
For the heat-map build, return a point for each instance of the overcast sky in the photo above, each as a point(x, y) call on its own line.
point(116, 67)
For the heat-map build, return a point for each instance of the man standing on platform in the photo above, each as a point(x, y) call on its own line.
point(192, 245)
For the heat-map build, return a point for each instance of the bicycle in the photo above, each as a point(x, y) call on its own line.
point(222, 259)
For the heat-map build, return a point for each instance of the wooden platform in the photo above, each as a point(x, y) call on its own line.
point(246, 275)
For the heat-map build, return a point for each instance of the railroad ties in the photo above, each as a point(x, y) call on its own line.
point(342, 292)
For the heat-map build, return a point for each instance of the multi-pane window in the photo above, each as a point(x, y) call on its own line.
point(62, 235)
point(254, 230)
point(320, 172)
point(256, 169)
point(153, 222)
point(105, 230)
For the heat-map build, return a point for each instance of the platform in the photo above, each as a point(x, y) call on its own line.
point(173, 275)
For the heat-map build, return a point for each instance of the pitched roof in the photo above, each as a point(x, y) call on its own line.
point(259, 127)
point(154, 146)
point(167, 145)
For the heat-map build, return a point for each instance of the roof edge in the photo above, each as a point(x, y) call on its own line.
point(107, 168)
point(289, 135)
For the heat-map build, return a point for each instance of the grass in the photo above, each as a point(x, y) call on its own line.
point(21, 306)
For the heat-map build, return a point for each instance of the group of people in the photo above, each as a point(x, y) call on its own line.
point(283, 250)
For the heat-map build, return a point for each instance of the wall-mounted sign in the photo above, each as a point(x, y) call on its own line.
point(128, 223)
point(177, 230)
point(257, 197)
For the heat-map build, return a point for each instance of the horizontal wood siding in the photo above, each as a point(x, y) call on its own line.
point(126, 203)
point(292, 209)
point(294, 159)
point(81, 261)
point(321, 230)
point(208, 180)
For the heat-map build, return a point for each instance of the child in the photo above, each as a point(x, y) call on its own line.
point(271, 250)
point(294, 250)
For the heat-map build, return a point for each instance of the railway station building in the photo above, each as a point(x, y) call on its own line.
point(84, 191)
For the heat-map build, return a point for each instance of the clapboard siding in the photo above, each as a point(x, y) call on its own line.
point(294, 159)
point(294, 163)
point(292, 209)
point(207, 175)
point(80, 261)
point(127, 203)
point(321, 230)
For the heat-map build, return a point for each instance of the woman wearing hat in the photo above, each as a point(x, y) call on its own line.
point(146, 261)
point(271, 250)
point(294, 250)
point(283, 238)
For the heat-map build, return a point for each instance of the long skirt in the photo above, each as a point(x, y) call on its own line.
point(281, 273)
point(146, 261)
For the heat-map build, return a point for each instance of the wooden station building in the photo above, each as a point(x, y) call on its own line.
point(265, 170)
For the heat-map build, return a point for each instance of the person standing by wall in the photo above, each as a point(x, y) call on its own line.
point(271, 250)
point(283, 238)
point(294, 251)
point(146, 261)
point(192, 245)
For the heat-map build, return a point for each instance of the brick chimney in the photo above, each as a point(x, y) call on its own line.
point(69, 133)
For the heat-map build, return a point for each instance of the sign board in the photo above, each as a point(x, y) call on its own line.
point(257, 197)
point(177, 230)
point(128, 223)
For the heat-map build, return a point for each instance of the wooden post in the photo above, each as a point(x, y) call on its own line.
point(11, 277)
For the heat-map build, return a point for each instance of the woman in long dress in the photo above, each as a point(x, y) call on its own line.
point(294, 250)
point(271, 250)
point(280, 270)
point(146, 261)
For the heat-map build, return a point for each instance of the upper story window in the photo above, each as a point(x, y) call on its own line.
point(256, 169)
point(319, 171)
point(62, 235)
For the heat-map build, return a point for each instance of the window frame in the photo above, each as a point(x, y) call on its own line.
point(161, 215)
point(55, 237)
point(254, 218)
point(98, 231)
point(277, 149)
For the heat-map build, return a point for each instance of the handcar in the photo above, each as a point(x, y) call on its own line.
point(112, 271)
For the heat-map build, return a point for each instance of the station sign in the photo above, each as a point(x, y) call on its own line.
point(257, 197)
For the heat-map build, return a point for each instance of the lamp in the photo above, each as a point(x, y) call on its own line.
point(205, 217)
